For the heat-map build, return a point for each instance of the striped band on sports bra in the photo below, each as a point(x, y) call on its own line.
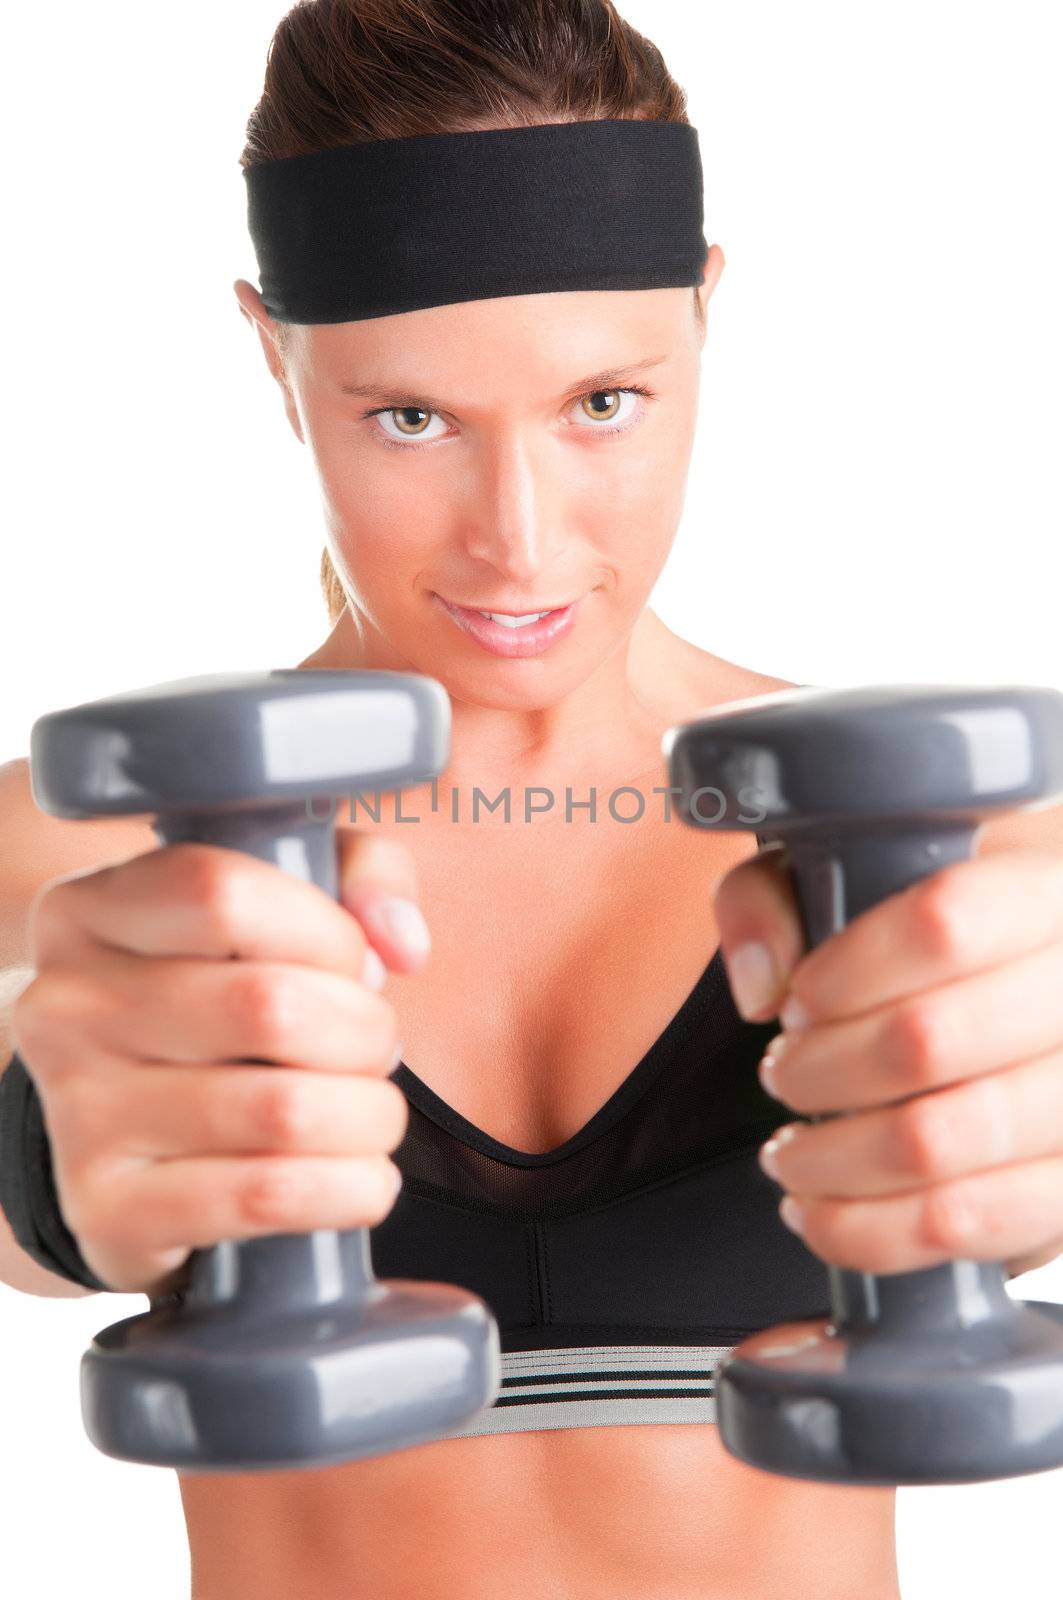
point(592, 1386)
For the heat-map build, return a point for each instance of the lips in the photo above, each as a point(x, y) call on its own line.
point(500, 639)
point(506, 619)
point(531, 609)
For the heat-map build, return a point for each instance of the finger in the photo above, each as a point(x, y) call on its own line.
point(962, 919)
point(193, 1011)
point(197, 900)
point(378, 884)
point(959, 1031)
point(223, 1108)
point(1004, 1119)
point(196, 1203)
point(999, 1215)
point(760, 931)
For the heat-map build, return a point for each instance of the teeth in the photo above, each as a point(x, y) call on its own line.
point(514, 622)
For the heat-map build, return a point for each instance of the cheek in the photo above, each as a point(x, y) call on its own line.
point(637, 508)
point(374, 516)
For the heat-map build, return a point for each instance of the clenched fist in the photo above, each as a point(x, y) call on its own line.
point(212, 1053)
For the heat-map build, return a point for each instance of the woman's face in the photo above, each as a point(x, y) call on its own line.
point(499, 471)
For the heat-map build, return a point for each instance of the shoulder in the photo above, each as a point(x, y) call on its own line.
point(36, 847)
point(677, 679)
point(710, 681)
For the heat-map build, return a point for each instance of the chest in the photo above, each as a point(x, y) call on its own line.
point(556, 963)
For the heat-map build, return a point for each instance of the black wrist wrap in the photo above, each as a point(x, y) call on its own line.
point(27, 1186)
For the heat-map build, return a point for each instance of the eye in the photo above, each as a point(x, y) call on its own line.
point(410, 422)
point(604, 406)
point(601, 406)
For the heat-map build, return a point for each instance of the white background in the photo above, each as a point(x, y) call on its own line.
point(875, 495)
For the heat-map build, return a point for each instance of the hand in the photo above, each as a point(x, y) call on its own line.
point(212, 1059)
point(934, 1021)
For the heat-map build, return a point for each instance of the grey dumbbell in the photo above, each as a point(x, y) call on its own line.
point(285, 1351)
point(934, 1376)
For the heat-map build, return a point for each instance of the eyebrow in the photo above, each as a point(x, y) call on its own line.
point(376, 389)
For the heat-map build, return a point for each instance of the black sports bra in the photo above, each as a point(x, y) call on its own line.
point(624, 1264)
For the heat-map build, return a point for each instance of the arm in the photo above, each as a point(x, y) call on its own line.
point(34, 850)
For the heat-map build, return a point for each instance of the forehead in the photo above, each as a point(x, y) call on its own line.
point(543, 338)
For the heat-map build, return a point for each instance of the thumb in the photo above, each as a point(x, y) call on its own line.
point(760, 932)
point(378, 885)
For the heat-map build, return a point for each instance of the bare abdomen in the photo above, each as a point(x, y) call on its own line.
point(647, 1512)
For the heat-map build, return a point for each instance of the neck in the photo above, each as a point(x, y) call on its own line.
point(591, 734)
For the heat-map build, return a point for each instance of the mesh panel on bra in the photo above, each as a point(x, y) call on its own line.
point(694, 1094)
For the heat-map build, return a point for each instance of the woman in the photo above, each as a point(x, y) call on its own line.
point(504, 501)
point(583, 1110)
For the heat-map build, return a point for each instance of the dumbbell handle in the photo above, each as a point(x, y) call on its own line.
point(300, 1270)
point(836, 876)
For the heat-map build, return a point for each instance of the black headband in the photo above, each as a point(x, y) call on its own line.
point(392, 225)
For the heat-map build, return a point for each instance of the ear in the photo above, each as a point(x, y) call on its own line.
point(714, 265)
point(253, 309)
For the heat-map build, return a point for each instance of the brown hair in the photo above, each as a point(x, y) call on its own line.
point(346, 71)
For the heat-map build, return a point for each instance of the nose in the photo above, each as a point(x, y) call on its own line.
point(516, 522)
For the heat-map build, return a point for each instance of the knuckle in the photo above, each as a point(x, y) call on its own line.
point(945, 1220)
point(281, 1115)
point(941, 916)
point(261, 1001)
point(927, 1138)
point(49, 1007)
point(920, 1042)
point(209, 882)
point(268, 1194)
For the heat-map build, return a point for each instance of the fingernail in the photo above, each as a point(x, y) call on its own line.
point(766, 1158)
point(766, 1074)
point(768, 1153)
point(374, 972)
point(768, 1068)
point(793, 1216)
point(754, 981)
point(793, 1014)
point(400, 920)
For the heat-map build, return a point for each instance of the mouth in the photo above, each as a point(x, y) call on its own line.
point(514, 634)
